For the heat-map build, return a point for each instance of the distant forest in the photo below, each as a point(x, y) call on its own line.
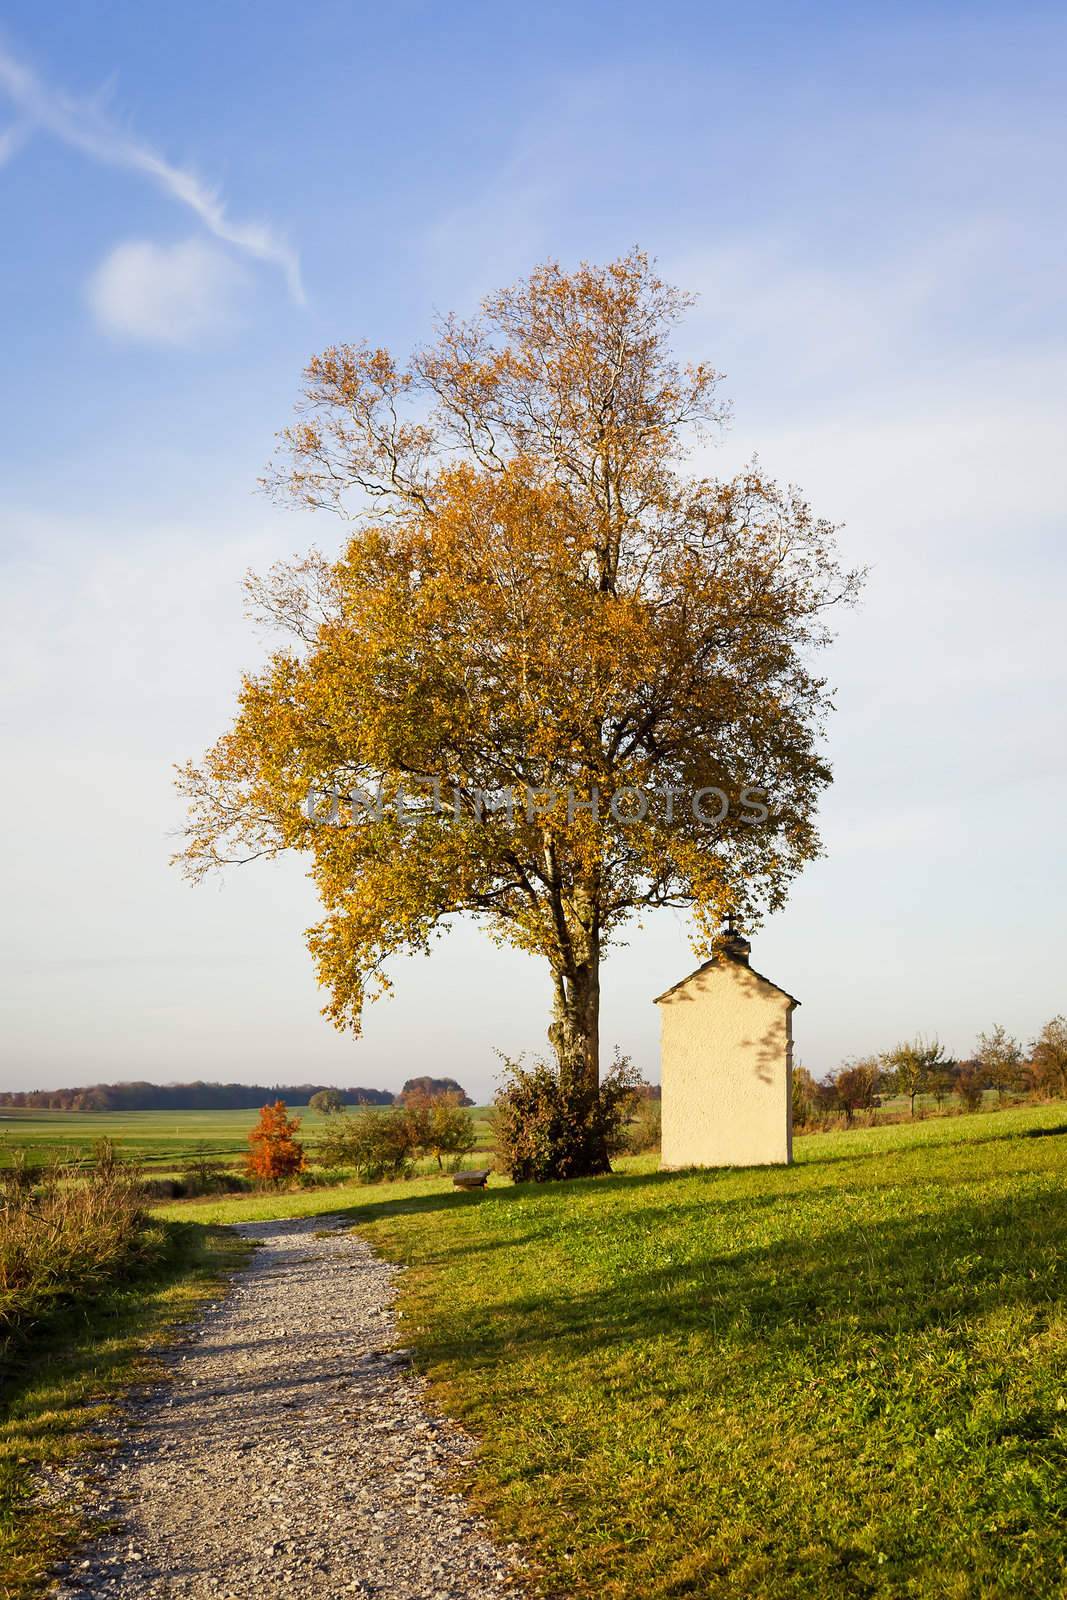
point(182, 1096)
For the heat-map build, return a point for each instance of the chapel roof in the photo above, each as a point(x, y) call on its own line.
point(718, 961)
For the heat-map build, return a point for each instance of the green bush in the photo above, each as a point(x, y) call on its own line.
point(374, 1144)
point(544, 1132)
point(439, 1125)
point(644, 1130)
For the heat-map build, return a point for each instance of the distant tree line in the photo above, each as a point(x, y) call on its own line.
point(920, 1067)
point(183, 1097)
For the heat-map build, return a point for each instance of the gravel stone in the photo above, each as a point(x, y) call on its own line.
point(289, 1454)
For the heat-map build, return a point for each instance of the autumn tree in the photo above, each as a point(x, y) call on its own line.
point(856, 1086)
point(1048, 1055)
point(911, 1067)
point(274, 1150)
point(553, 679)
point(999, 1058)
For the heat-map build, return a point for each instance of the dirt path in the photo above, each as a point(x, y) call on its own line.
point(291, 1455)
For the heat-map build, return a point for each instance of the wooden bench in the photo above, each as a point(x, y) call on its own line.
point(471, 1180)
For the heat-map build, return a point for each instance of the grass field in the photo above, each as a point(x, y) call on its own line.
point(841, 1379)
point(161, 1141)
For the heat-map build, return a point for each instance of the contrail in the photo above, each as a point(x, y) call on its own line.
point(84, 126)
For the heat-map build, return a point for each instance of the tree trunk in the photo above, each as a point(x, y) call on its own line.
point(575, 1040)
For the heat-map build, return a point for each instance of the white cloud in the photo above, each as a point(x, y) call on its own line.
point(168, 294)
point(84, 126)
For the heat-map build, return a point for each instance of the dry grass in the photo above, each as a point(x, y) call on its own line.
point(68, 1232)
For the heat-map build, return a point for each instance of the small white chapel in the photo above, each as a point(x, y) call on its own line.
point(727, 1064)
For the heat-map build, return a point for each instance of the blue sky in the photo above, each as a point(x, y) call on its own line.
point(868, 201)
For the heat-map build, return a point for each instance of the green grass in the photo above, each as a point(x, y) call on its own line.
point(56, 1398)
point(160, 1141)
point(841, 1379)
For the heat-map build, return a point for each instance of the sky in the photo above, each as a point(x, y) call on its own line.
point(868, 201)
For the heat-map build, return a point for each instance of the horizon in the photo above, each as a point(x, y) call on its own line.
point(863, 204)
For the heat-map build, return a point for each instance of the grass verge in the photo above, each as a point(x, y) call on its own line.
point(59, 1392)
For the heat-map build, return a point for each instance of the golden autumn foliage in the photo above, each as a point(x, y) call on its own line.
point(535, 603)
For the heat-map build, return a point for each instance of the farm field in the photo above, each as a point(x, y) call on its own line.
point(160, 1140)
point(841, 1378)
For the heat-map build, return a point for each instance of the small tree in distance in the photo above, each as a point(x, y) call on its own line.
point(804, 1096)
point(969, 1086)
point(1000, 1058)
point(911, 1067)
point(440, 1125)
point(1049, 1058)
point(434, 1086)
point(326, 1102)
point(856, 1086)
point(275, 1152)
point(943, 1081)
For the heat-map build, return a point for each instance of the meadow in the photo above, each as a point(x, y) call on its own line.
point(842, 1378)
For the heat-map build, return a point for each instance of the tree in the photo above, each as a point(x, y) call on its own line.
point(911, 1067)
point(969, 1086)
point(552, 680)
point(434, 1086)
point(326, 1102)
point(943, 1081)
point(439, 1124)
point(1048, 1055)
point(999, 1058)
point(274, 1151)
point(804, 1096)
point(856, 1085)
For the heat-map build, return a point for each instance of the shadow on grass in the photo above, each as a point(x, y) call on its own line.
point(845, 1286)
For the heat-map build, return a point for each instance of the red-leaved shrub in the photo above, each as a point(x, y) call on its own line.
point(275, 1152)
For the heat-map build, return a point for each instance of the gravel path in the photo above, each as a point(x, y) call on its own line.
point(290, 1455)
